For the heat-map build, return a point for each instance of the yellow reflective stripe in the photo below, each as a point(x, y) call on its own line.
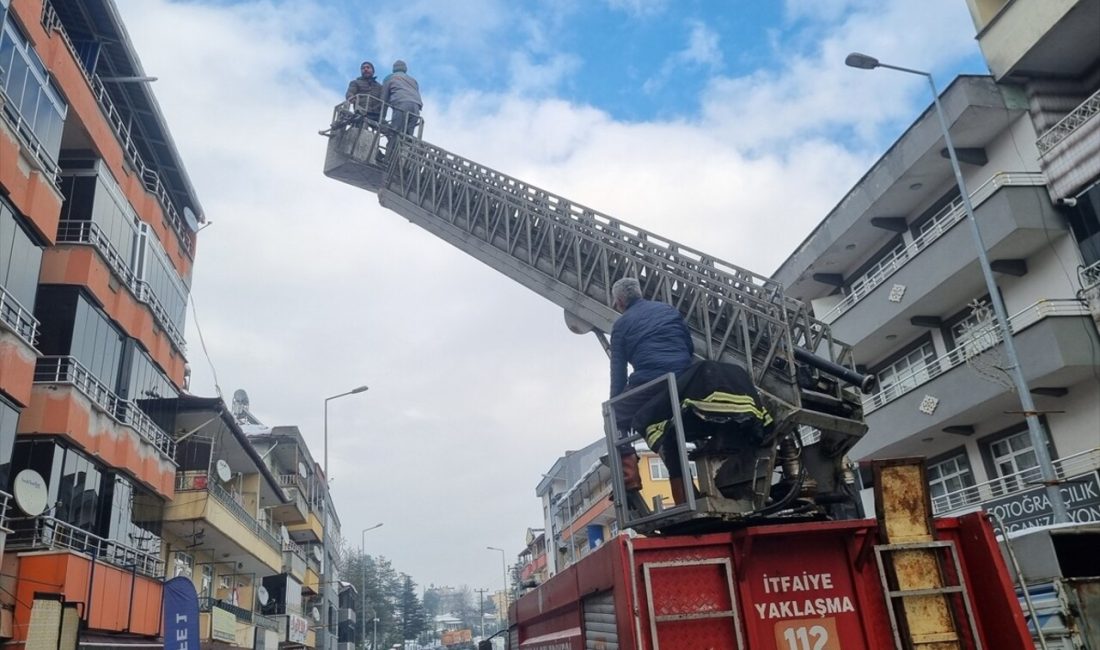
point(722, 402)
point(654, 432)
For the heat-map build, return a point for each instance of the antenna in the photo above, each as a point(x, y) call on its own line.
point(303, 471)
point(316, 614)
point(262, 595)
point(284, 534)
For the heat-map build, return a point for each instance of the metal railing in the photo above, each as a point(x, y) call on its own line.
point(73, 231)
point(1090, 276)
point(51, 22)
point(1068, 124)
point(200, 481)
point(49, 533)
point(4, 499)
point(979, 340)
point(207, 603)
point(69, 371)
point(938, 225)
point(974, 495)
point(18, 318)
point(359, 110)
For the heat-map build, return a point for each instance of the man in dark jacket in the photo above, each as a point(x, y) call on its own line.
point(653, 338)
point(402, 93)
point(366, 92)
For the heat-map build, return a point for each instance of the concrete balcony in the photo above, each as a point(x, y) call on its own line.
point(1016, 221)
point(229, 529)
point(312, 531)
point(1009, 497)
point(1054, 340)
point(294, 560)
point(1038, 37)
point(297, 511)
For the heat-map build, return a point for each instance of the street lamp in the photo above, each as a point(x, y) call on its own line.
point(324, 528)
point(363, 581)
point(1035, 430)
point(504, 576)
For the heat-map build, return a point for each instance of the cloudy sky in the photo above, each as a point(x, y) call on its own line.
point(729, 125)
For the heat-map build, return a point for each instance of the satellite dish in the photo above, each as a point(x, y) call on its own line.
point(284, 534)
point(303, 471)
point(318, 554)
point(30, 492)
point(316, 614)
point(191, 219)
point(222, 468)
point(262, 595)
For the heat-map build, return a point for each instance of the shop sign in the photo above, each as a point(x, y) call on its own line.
point(296, 629)
point(1032, 508)
point(224, 625)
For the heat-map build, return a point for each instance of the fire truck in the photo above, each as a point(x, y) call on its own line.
point(770, 548)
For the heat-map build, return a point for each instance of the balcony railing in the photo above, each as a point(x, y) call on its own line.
point(69, 371)
point(199, 481)
point(49, 533)
point(4, 499)
point(245, 616)
point(978, 341)
point(122, 126)
point(972, 496)
point(18, 318)
point(72, 231)
point(939, 224)
point(1090, 276)
point(1068, 124)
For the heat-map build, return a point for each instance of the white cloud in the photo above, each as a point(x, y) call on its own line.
point(702, 51)
point(307, 287)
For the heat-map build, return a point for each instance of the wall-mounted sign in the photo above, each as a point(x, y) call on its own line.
point(223, 625)
point(296, 629)
point(1031, 508)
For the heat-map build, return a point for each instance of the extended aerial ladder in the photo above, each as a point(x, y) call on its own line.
point(572, 254)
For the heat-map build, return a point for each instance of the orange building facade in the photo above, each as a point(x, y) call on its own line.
point(97, 236)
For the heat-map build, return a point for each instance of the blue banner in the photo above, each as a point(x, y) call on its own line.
point(181, 615)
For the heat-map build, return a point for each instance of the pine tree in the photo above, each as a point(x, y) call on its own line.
point(412, 613)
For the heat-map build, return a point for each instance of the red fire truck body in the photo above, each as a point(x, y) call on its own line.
point(803, 586)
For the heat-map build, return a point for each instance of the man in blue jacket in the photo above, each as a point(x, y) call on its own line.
point(653, 338)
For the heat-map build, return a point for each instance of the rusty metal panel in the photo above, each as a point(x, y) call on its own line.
point(902, 502)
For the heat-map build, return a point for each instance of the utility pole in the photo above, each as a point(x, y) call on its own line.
point(481, 608)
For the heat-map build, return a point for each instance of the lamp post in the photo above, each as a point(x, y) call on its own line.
point(363, 581)
point(504, 576)
point(374, 635)
point(324, 527)
point(1035, 429)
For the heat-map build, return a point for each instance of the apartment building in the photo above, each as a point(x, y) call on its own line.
point(98, 223)
point(576, 496)
point(532, 566)
point(221, 528)
point(299, 597)
point(893, 269)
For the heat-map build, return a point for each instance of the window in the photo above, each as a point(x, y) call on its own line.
point(910, 370)
point(93, 195)
point(1084, 221)
point(658, 471)
point(947, 483)
point(1014, 461)
point(206, 589)
point(73, 326)
point(34, 103)
point(20, 258)
point(184, 565)
point(161, 277)
point(9, 417)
